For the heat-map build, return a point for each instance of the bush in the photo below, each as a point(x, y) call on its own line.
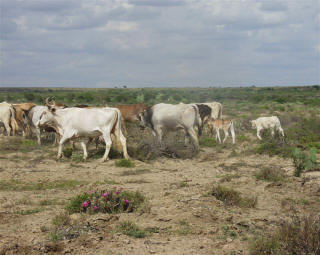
point(232, 197)
point(297, 236)
point(112, 201)
point(304, 161)
point(125, 163)
point(270, 174)
point(131, 229)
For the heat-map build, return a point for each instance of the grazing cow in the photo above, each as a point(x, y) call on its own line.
point(7, 117)
point(225, 125)
point(85, 123)
point(216, 108)
point(162, 117)
point(267, 123)
point(21, 111)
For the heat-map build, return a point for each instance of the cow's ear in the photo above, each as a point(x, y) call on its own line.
point(53, 110)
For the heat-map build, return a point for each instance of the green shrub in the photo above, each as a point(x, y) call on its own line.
point(270, 174)
point(304, 161)
point(297, 236)
point(232, 197)
point(112, 201)
point(125, 163)
point(207, 141)
point(131, 229)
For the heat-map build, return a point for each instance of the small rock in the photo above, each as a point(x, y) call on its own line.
point(127, 241)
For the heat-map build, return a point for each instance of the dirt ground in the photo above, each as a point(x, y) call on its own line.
point(189, 221)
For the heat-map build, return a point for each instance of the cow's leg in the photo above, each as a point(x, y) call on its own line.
point(226, 134)
point(186, 138)
point(123, 142)
point(38, 133)
point(84, 147)
point(218, 134)
point(272, 131)
point(63, 139)
point(233, 135)
point(158, 132)
point(280, 130)
point(258, 133)
point(8, 129)
point(194, 138)
point(108, 142)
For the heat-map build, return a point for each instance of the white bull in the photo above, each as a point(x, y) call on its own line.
point(216, 109)
point(33, 116)
point(162, 117)
point(267, 123)
point(83, 123)
point(7, 117)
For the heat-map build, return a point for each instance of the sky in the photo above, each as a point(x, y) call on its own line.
point(159, 43)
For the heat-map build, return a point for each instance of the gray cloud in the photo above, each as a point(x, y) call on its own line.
point(137, 43)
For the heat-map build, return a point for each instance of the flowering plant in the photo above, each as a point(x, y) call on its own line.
point(115, 200)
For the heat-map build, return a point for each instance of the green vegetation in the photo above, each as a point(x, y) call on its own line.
point(130, 229)
point(232, 197)
point(304, 161)
point(125, 163)
point(111, 201)
point(18, 185)
point(271, 174)
point(297, 236)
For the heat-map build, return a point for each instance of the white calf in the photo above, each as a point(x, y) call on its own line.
point(267, 123)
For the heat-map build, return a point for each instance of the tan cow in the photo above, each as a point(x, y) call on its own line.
point(225, 125)
point(130, 113)
point(21, 110)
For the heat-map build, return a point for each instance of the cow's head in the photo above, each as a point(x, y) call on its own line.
point(145, 119)
point(253, 124)
point(47, 116)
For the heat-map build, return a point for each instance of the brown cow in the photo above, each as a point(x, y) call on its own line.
point(130, 113)
point(21, 110)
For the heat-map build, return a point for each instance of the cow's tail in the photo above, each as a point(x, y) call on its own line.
point(117, 131)
point(197, 120)
point(13, 122)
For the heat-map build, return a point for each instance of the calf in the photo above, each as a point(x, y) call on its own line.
point(267, 123)
point(225, 125)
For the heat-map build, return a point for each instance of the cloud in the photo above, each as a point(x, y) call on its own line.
point(172, 43)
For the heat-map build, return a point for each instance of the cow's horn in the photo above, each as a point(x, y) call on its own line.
point(47, 101)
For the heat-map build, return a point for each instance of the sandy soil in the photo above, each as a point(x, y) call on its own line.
point(189, 220)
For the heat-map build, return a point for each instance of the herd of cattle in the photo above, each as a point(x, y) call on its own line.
point(88, 123)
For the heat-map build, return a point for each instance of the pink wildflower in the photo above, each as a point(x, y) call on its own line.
point(117, 192)
point(95, 208)
point(126, 201)
point(85, 204)
point(91, 191)
point(105, 194)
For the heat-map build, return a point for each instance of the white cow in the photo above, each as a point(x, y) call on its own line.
point(216, 108)
point(267, 123)
point(163, 117)
point(85, 123)
point(7, 117)
point(33, 116)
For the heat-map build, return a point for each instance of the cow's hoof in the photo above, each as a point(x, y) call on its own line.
point(104, 160)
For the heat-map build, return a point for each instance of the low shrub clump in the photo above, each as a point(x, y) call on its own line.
point(131, 229)
point(233, 197)
point(274, 147)
point(106, 201)
point(270, 174)
point(304, 161)
point(297, 236)
point(125, 163)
